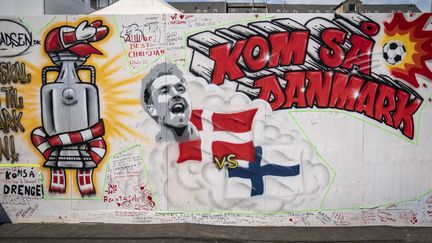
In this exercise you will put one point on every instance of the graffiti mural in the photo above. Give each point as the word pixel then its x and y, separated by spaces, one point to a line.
pixel 319 64
pixel 305 120
pixel 71 135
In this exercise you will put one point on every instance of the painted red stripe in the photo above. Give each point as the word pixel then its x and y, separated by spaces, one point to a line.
pixel 100 34
pixel 242 151
pixel 235 122
pixel 75 137
pixel 37 140
pixel 189 150
pixel 61 177
pixel 81 180
pixel 55 141
pixel 196 119
pixel 47 153
pixel 98 130
pixel 96 23
pixel 88 179
pixel 97 144
pixel 69 37
pixel 54 188
pixel 95 157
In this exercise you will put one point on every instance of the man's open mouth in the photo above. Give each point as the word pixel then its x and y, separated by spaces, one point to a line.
pixel 178 108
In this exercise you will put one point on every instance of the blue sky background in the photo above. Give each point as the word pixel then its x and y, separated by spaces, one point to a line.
pixel 423 5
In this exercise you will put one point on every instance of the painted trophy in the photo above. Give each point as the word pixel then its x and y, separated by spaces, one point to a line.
pixel 71 136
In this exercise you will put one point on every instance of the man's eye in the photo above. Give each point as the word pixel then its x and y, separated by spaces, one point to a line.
pixel 164 91
pixel 181 88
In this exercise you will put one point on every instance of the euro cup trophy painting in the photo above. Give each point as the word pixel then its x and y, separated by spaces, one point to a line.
pixel 71 136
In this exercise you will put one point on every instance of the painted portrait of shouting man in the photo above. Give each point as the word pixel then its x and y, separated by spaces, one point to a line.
pixel 165 97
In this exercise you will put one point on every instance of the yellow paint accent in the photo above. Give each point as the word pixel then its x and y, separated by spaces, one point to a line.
pixel 231 162
pixel 20 165
pixel 219 164
pixel 227 161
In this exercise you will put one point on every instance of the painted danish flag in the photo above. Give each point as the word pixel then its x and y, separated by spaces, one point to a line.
pixel 221 135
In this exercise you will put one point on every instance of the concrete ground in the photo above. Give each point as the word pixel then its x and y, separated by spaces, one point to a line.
pixel 206 233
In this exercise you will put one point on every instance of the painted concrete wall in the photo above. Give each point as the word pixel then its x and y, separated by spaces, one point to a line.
pixel 218 119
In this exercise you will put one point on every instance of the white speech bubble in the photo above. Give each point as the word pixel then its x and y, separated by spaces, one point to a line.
pixel 15 39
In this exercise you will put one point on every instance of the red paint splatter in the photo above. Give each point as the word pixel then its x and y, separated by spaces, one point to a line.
pixel 150 199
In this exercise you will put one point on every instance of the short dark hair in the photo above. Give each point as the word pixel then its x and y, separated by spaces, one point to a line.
pixel 157 71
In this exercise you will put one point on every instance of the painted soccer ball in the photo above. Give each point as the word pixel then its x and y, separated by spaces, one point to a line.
pixel 394 52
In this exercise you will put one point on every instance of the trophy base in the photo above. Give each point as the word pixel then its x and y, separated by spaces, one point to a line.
pixel 70 158
pixel 66 164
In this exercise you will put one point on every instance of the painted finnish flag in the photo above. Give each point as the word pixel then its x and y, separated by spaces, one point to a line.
pixel 275 172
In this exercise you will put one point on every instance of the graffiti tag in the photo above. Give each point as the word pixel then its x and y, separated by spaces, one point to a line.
pixel 15 39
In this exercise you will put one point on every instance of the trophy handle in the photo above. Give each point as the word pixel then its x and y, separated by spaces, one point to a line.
pixel 45 70
pixel 92 72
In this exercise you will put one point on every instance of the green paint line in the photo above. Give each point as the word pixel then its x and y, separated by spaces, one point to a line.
pixel 27 24
pixel 33 29
pixel 20 165
pixel 333 172
pixel 123 150
pixel 47 24
pixel 423 195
